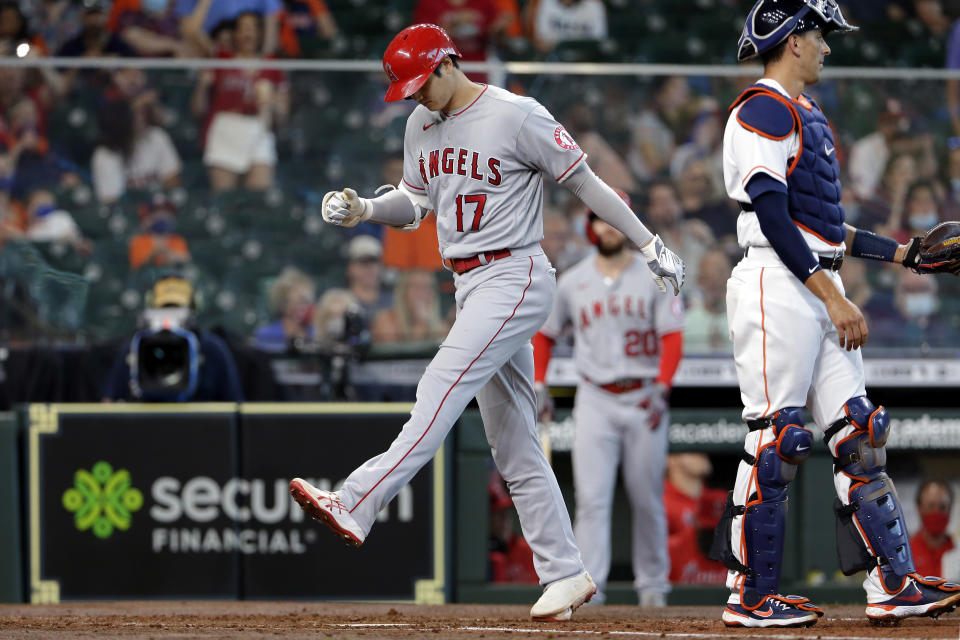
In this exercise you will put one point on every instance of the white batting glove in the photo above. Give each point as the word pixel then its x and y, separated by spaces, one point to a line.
pixel 657 405
pixel 665 266
pixel 345 208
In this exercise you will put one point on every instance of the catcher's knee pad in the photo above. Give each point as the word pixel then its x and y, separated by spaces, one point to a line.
pixel 871 530
pixel 764 514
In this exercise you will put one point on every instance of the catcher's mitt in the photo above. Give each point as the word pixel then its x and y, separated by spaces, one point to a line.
pixel 936 251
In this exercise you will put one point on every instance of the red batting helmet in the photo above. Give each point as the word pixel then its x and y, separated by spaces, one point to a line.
pixel 412 56
pixel 591 216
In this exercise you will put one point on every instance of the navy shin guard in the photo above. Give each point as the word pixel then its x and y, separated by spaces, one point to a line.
pixel 764 518
pixel 871 524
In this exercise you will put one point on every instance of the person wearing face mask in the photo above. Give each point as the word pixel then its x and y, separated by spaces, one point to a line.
pixel 933 543
pixel 157 245
pixel 915 322
pixel 921 210
pixel 47 222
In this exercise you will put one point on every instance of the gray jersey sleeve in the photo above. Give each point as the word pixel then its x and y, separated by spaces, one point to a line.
pixel 412 183
pixel 545 144
pixel 560 315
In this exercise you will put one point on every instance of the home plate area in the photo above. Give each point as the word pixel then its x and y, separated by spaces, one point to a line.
pixel 370 621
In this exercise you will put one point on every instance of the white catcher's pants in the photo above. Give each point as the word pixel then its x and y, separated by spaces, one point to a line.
pixel 486 355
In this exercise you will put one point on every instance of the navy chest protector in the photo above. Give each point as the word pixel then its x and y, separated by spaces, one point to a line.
pixel 813 175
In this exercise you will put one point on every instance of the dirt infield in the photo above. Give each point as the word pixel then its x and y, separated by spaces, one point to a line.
pixel 390 621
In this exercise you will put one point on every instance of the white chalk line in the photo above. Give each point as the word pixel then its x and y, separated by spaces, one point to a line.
pixel 738 632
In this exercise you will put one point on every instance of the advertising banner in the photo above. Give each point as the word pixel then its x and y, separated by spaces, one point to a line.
pixel 191 501
pixel 304 559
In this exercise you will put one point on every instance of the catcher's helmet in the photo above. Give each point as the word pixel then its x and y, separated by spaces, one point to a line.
pixel 412 56
pixel 591 216
pixel 771 21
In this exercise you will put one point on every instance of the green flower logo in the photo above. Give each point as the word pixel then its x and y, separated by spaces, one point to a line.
pixel 102 499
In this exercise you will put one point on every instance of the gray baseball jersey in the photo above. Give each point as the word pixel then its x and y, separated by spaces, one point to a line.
pixel 480 169
pixel 484 176
pixel 617 327
pixel 617 323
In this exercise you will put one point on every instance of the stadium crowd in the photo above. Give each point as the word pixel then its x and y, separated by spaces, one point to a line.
pixel 113 174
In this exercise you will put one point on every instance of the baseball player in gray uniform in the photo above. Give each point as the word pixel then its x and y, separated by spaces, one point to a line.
pixel 627 346
pixel 477 156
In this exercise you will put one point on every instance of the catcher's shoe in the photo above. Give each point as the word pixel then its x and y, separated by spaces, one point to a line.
pixel 326 507
pixel 772 611
pixel 561 598
pixel 920 596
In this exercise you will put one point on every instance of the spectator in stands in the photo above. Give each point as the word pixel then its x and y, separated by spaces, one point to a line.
pixel 415 314
pixel 474 25
pixel 883 212
pixel 56 21
pixel 856 286
pixel 931 13
pixel 364 268
pixel 666 215
pixel 706 326
pixel 241 107
pixel 922 209
pixel 559 21
pixel 198 18
pixel 47 222
pixel 580 120
pixel 510 558
pixel 653 129
pixel 163 374
pixel 42 85
pixel 330 316
pixel 133 153
pixel 157 244
pixel 689 525
pixel 15 31
pixel 150 27
pixel 916 323
pixel 869 154
pixel 705 142
pixel 935 550
pixel 292 296
pixel 699 187
pixel 302 24
pixel 93 38
pixel 36 165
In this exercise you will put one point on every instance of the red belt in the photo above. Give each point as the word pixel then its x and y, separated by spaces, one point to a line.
pixel 621 386
pixel 462 265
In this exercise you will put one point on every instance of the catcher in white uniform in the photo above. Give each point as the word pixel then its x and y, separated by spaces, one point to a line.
pixel 477 155
pixel 628 341
pixel 797 337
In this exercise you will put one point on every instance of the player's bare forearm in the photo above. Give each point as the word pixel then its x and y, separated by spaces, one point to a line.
pixel 846 317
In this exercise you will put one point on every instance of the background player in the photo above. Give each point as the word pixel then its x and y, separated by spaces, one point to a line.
pixel 627 346
pixel 476 155
pixel 797 338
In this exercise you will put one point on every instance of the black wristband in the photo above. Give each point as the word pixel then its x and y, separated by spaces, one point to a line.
pixel 912 259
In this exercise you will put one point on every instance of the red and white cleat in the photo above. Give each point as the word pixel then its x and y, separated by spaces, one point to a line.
pixel 326 507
